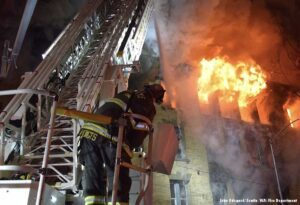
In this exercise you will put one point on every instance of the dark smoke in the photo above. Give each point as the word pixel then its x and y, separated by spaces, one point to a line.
pixel 149 72
pixel 149 60
pixel 263 31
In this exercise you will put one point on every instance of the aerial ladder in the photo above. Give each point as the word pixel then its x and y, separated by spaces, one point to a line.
pixel 88 62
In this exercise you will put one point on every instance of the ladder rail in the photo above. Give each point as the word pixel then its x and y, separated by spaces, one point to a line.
pixel 37 79
pixel 46 154
pixel 145 125
pixel 118 163
pixel 80 56
pixel 49 134
pixel 3 123
pixel 91 83
pixel 43 71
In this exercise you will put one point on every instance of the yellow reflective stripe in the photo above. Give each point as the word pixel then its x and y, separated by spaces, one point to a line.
pixel 119 102
pixel 103 132
pixel 93 197
pixel 89 197
pixel 89 200
pixel 97 128
pixel 92 203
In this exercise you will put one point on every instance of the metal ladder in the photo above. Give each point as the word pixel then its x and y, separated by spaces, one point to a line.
pixel 141 123
pixel 63 164
pixel 74 68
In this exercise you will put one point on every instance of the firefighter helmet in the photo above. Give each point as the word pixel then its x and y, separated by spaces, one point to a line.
pixel 156 91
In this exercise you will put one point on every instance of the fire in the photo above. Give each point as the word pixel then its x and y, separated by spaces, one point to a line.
pixel 290 116
pixel 173 104
pixel 241 81
pixel 292 107
pixel 169 97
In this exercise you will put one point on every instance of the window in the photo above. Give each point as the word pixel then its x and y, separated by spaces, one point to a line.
pixel 178 192
pixel 181 148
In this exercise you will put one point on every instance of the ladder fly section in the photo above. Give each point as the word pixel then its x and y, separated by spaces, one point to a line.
pixel 74 67
pixel 91 67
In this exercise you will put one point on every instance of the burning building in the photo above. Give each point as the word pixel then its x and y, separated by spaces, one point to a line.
pixel 232 69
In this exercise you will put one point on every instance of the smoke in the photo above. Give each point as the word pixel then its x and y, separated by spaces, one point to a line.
pixel 237 29
pixel 255 30
pixel 149 72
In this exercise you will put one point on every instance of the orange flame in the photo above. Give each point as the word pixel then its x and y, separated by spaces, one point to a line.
pixel 169 97
pixel 292 107
pixel 242 81
pixel 290 116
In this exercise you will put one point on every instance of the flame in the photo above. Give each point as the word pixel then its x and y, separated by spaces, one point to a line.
pixel 290 116
pixel 173 104
pixel 292 107
pixel 169 97
pixel 241 81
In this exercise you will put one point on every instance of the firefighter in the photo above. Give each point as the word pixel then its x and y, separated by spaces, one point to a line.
pixel 98 144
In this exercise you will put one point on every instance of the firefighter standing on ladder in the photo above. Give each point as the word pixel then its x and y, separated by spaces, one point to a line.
pixel 98 144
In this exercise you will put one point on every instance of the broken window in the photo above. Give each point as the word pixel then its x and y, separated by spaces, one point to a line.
pixel 178 192
pixel 181 155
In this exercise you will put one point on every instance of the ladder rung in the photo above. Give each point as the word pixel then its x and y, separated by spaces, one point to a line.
pixel 59 129
pixel 59 137
pixel 54 164
pixel 70 154
pixel 22 168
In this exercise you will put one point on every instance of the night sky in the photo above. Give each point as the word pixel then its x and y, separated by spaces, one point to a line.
pixel 48 20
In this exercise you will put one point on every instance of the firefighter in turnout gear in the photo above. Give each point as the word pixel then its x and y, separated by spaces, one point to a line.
pixel 98 144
